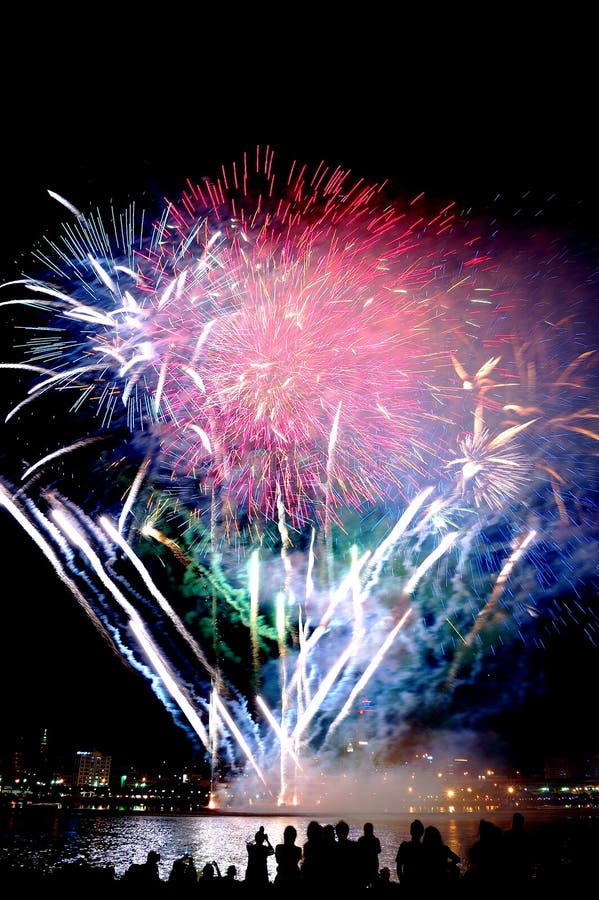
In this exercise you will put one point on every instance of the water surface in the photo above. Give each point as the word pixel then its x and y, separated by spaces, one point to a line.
pixel 45 838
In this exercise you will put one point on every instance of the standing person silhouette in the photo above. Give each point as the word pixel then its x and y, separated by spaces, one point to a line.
pixel 408 860
pixel 346 858
pixel 440 863
pixel 258 851
pixel 144 878
pixel 183 877
pixel 209 882
pixel 485 857
pixel 368 848
pixel 517 853
pixel 314 868
pixel 288 856
pixel 229 885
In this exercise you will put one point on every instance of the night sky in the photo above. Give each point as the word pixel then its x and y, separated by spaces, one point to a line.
pixel 510 147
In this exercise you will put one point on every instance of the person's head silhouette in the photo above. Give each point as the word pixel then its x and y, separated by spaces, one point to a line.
pixel 416 829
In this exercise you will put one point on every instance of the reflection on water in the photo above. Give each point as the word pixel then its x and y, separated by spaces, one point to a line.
pixel 47 838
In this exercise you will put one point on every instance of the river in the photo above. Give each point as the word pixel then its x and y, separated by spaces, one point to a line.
pixel 44 838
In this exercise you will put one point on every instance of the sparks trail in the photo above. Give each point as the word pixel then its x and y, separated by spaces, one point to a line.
pixel 345 456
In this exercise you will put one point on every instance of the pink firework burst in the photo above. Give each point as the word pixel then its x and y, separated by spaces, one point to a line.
pixel 281 334
pixel 294 326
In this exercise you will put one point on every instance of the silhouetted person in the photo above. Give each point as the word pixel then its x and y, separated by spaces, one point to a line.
pixel 440 868
pixel 409 857
pixel 209 882
pixel 368 849
pixel 517 852
pixel 345 862
pixel 486 857
pixel 330 837
pixel 230 886
pixel 183 877
pixel 288 856
pixel 258 851
pixel 144 878
pixel 315 864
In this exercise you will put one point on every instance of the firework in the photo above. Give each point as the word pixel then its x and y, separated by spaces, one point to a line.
pixel 277 339
pixel 325 415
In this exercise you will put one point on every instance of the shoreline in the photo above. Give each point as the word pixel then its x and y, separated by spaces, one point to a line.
pixel 504 813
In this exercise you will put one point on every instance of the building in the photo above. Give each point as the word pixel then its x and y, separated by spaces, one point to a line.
pixel 92 769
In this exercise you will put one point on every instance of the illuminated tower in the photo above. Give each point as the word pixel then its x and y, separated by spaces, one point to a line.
pixel 44 748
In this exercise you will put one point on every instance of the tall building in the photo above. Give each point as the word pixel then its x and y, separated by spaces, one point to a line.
pixel 92 769
pixel 44 747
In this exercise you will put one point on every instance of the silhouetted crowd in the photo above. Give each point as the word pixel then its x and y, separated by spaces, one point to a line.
pixel 501 862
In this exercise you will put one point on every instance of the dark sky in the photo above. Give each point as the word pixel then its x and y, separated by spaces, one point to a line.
pixel 524 146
